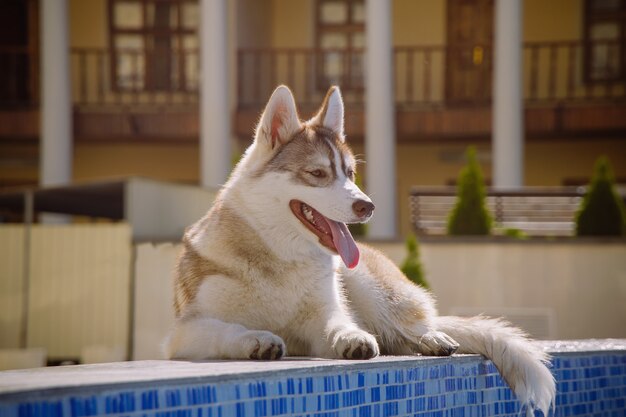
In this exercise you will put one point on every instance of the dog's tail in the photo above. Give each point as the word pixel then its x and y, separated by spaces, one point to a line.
pixel 521 363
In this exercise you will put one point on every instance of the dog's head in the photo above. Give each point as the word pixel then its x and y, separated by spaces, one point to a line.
pixel 308 167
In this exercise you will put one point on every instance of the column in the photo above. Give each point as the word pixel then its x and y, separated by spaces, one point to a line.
pixel 508 101
pixel 56 107
pixel 380 128
pixel 215 117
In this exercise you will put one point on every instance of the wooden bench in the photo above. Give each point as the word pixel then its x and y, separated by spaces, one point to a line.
pixel 534 211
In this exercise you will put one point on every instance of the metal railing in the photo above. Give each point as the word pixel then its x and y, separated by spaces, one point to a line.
pixel 429 75
pixel 435 75
pixel 101 78
pixel 133 77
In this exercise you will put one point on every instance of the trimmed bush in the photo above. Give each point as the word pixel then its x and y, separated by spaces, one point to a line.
pixel 412 266
pixel 470 215
pixel 515 233
pixel 601 212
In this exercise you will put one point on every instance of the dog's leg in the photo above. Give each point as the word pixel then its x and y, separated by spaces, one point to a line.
pixel 347 341
pixel 399 313
pixel 404 317
pixel 330 330
pixel 340 338
pixel 201 337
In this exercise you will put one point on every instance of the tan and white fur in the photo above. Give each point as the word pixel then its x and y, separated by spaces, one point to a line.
pixel 260 275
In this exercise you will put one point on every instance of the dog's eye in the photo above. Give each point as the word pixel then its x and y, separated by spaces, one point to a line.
pixel 318 173
pixel 351 174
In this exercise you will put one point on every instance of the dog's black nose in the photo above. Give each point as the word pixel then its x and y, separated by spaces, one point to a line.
pixel 363 208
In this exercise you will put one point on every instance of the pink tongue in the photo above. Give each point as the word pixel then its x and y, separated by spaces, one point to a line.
pixel 344 243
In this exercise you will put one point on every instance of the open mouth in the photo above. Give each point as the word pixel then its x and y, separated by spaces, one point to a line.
pixel 331 234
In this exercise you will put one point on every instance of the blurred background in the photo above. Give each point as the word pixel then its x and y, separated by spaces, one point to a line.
pixel 122 117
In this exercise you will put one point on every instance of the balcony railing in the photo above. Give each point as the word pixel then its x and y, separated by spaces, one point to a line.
pixel 431 76
pixel 434 75
pixel 101 78
pixel 129 77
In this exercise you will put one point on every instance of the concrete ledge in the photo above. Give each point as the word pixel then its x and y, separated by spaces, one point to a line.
pixel 96 377
pixel 591 379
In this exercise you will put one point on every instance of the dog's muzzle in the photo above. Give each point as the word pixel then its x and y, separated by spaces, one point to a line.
pixel 363 209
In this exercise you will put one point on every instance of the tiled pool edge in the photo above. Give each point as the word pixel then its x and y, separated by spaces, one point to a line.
pixel 590 382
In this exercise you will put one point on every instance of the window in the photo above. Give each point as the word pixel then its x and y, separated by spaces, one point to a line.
pixel 154 44
pixel 340 40
pixel 18 52
pixel 605 31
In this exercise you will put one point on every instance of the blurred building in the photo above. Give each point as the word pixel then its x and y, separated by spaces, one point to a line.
pixel 134 77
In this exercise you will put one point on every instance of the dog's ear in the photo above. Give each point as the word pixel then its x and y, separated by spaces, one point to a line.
pixel 330 114
pixel 280 119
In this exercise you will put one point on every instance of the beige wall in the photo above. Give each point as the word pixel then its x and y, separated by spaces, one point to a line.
pixel 174 162
pixel 79 287
pixel 424 22
pixel 11 284
pixel 254 23
pixel 549 163
pixel 553 20
pixel 88 23
pixel 287 23
pixel 154 298
pixel 419 22
pixel 293 23
pixel 582 284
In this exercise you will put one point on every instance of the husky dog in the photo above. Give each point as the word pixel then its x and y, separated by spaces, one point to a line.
pixel 272 267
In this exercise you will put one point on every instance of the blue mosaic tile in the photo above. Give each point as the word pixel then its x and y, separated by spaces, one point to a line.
pixel 591 384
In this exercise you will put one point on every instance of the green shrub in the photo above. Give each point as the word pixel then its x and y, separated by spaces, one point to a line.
pixel 412 267
pixel 470 215
pixel 601 212
pixel 514 233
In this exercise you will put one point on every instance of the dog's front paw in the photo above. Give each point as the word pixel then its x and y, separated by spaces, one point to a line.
pixel 434 343
pixel 263 345
pixel 355 344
